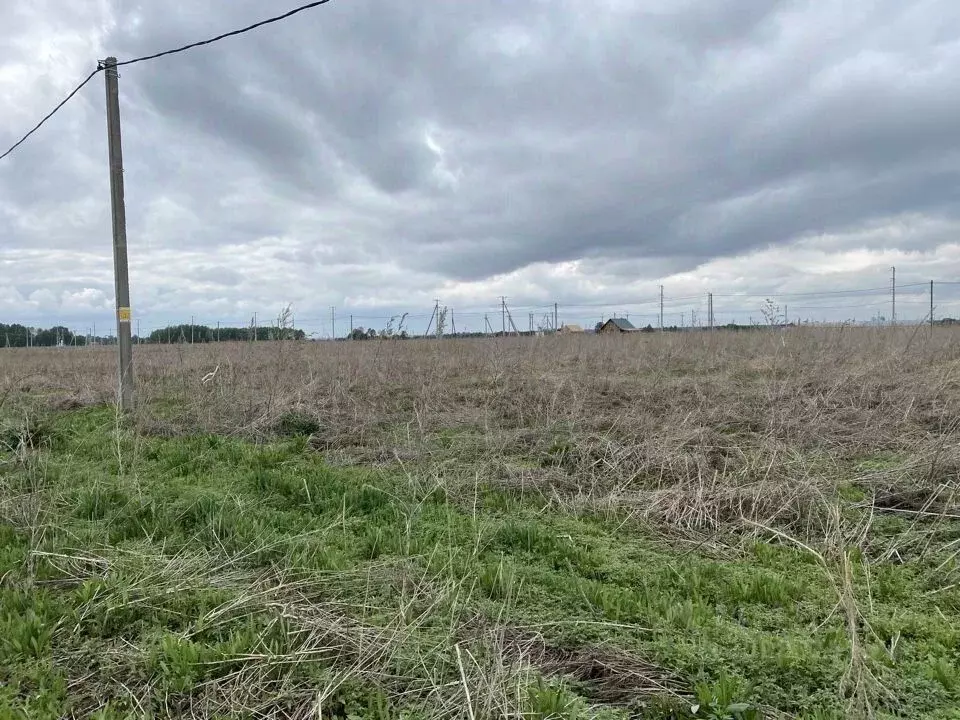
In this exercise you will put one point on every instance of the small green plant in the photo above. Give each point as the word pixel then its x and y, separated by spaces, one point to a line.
pixel 525 537
pixel 25 635
pixel 179 663
pixel 552 701
pixel 719 701
pixel 945 673
pixel 379 540
pixel 497 579
pixel 762 587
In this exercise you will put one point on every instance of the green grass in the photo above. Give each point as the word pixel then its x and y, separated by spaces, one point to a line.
pixel 145 576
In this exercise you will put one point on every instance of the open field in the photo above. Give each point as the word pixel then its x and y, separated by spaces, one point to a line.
pixel 691 525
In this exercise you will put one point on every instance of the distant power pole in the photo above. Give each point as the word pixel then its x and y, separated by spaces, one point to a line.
pixel 503 315
pixel 556 326
pixel 893 296
pixel 191 329
pixel 120 272
pixel 256 327
pixel 710 310
pixel 661 308
pixel 931 305
pixel 218 331
pixel 434 315
pixel 351 326
pixel 333 322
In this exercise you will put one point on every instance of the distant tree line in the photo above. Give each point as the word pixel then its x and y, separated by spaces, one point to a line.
pixel 204 334
pixel 17 335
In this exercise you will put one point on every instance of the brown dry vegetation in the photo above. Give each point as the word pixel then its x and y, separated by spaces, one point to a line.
pixel 840 445
pixel 691 430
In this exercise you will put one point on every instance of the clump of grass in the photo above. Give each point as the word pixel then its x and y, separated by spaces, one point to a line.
pixel 553 701
pixel 497 580
pixel 296 423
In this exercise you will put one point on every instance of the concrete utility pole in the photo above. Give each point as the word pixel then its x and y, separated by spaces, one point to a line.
pixel 256 327
pixel 120 272
pixel 893 296
pixel 218 331
pixel 931 305
pixel 333 322
pixel 710 310
pixel 503 315
pixel 555 325
pixel 661 308
pixel 191 329
pixel 351 326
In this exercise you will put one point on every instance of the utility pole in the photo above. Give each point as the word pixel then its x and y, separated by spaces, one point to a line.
pixel 503 315
pixel 556 325
pixel 139 336
pixel 256 327
pixel 486 324
pixel 661 308
pixel 351 326
pixel 893 296
pixel 191 329
pixel 710 310
pixel 453 323
pixel 434 314
pixel 120 272
pixel 218 331
pixel 786 316
pixel 333 322
pixel 931 306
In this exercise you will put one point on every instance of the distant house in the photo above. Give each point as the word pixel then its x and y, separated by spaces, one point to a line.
pixel 570 329
pixel 616 325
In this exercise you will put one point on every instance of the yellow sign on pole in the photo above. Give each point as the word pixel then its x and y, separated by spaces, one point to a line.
pixel 124 314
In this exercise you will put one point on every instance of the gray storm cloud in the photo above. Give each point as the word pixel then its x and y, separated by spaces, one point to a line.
pixel 456 142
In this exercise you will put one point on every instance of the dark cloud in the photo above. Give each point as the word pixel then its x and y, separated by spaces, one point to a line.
pixel 459 142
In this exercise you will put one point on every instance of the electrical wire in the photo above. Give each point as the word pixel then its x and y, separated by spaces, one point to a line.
pixel 101 65
pixel 53 112
pixel 224 36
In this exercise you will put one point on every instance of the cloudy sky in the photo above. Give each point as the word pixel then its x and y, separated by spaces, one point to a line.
pixel 374 155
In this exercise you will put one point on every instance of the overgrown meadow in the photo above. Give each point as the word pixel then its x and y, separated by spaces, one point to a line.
pixel 683 525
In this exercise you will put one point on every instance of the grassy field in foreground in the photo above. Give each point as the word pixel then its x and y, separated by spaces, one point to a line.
pixel 665 527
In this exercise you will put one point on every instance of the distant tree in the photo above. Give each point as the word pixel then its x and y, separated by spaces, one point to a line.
pixel 647 329
pixel 596 328
pixel 771 312
pixel 371 333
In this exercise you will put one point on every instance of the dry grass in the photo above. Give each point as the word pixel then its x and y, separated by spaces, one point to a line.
pixel 711 442
pixel 692 430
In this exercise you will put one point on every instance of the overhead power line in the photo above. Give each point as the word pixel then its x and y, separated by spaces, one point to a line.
pixel 224 36
pixel 53 112
pixel 144 58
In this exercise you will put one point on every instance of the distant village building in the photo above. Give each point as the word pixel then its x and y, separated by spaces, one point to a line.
pixel 617 325
pixel 570 329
